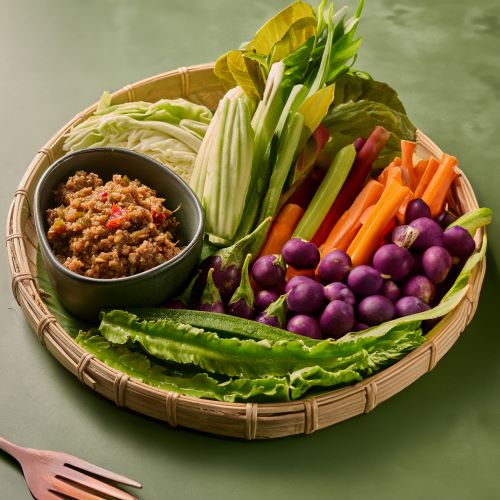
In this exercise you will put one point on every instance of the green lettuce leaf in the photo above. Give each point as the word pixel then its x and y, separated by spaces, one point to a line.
pixel 353 87
pixel 201 385
pixel 350 120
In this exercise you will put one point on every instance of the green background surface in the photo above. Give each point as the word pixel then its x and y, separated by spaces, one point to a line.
pixel 438 439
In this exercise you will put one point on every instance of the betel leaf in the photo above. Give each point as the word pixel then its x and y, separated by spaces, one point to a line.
pixel 354 87
pixel 283 24
pixel 350 120
pixel 201 385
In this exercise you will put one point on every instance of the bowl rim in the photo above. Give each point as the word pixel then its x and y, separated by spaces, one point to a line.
pixel 47 250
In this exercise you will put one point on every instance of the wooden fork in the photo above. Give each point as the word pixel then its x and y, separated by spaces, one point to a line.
pixel 53 475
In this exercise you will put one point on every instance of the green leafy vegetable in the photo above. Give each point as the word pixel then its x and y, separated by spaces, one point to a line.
pixel 201 385
pixel 472 221
pixel 170 130
pixel 354 87
pixel 350 120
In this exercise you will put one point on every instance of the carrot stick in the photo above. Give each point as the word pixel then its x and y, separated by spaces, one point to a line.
pixel 407 150
pixel 347 226
pixel 382 178
pixel 400 214
pixel 366 214
pixel 420 169
pixel 282 228
pixel 366 241
pixel 355 180
pixel 435 192
pixel 292 272
pixel 394 174
pixel 427 176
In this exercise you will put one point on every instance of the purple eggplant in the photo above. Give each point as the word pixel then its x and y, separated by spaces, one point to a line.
pixel 263 298
pixel 242 302
pixel 275 313
pixel 304 325
pixel 227 262
pixel 300 253
pixel 269 270
pixel 210 298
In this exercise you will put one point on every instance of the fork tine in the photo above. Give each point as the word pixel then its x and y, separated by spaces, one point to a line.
pixel 69 490
pixel 94 484
pixel 84 466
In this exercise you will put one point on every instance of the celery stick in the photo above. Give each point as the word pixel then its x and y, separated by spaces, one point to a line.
pixel 326 193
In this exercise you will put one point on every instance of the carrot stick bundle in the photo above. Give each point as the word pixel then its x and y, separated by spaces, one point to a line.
pixel 347 226
pixel 438 187
pixel 427 176
pixel 366 241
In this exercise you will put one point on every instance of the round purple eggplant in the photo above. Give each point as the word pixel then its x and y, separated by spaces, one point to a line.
pixel 421 287
pixel 297 280
pixel 306 298
pixel 269 270
pixel 375 309
pixel 334 266
pixel 410 305
pixel 459 242
pixel 437 262
pixel 300 254
pixel 415 209
pixel 404 235
pixel 365 280
pixel 263 298
pixel 242 303
pixel 304 325
pixel 339 291
pixel 391 291
pixel 445 218
pixel 337 319
pixel 430 233
pixel 275 313
pixel 393 261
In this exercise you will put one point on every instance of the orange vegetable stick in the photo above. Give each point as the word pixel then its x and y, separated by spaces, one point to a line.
pixel 366 213
pixel 347 226
pixel 292 272
pixel 366 241
pixel 430 170
pixel 407 150
pixel 420 169
pixel 394 174
pixel 282 228
pixel 382 178
pixel 439 185
pixel 401 213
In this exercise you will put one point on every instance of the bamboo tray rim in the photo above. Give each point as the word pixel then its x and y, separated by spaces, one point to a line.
pixel 242 420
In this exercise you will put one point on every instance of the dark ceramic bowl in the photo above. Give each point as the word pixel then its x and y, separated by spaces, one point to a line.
pixel 85 297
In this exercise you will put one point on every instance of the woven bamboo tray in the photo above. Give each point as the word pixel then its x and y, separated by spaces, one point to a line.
pixel 251 420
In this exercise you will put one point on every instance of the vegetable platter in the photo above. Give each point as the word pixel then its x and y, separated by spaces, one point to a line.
pixel 287 119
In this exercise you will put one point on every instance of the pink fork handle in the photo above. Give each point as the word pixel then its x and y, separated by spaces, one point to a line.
pixel 12 449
